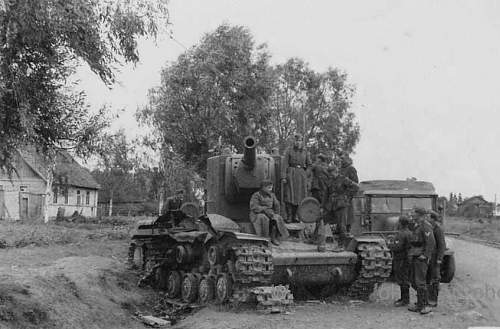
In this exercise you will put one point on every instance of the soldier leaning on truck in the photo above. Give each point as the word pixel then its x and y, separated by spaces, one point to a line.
pixel 422 247
pixel 434 272
pixel 400 264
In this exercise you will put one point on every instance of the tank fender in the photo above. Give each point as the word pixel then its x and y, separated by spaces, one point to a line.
pixel 244 236
pixel 189 237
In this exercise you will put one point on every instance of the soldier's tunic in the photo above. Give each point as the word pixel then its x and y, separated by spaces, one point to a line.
pixel 400 263
pixel 296 161
pixel 422 243
pixel 319 182
pixel 350 190
pixel 265 208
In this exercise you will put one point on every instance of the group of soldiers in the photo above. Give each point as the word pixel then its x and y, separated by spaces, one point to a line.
pixel 333 188
pixel 418 249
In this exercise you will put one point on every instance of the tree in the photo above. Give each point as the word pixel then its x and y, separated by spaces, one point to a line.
pixel 42 42
pixel 314 104
pixel 210 95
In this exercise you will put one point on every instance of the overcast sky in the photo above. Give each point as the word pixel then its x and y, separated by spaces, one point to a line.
pixel 427 75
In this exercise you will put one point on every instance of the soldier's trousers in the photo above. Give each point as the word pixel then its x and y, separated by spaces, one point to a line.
pixel 433 279
pixel 338 217
pixel 418 273
pixel 401 271
pixel 261 225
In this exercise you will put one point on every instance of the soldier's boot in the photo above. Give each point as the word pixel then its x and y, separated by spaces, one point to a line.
pixel 433 294
pixel 274 236
pixel 418 306
pixel 425 307
pixel 405 297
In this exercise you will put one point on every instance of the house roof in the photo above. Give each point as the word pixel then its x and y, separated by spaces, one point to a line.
pixel 66 171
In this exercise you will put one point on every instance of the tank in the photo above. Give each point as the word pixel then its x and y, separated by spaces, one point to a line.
pixel 355 265
pixel 216 257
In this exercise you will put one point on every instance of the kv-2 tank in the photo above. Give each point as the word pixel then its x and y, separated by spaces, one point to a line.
pixel 356 264
pixel 218 256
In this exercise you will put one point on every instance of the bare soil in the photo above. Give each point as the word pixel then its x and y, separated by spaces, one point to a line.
pixel 73 275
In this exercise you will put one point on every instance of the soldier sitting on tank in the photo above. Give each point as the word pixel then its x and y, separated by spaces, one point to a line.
pixel 171 209
pixel 264 214
pixel 400 263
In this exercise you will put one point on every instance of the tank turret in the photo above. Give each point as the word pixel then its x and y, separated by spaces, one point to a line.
pixel 233 178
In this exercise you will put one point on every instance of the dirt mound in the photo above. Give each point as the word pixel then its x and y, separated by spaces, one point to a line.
pixel 74 292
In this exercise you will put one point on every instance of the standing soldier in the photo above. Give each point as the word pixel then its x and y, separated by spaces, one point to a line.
pixel 434 273
pixel 400 264
pixel 350 188
pixel 296 162
pixel 422 247
pixel 319 182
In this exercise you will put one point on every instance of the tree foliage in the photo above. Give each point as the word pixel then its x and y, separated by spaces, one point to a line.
pixel 315 105
pixel 41 43
pixel 210 95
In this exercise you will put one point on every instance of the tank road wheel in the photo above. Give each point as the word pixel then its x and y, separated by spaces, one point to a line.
pixel 223 288
pixel 189 288
pixel 206 290
pixel 174 282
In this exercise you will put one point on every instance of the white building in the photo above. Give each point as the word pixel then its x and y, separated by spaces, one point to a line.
pixel 22 195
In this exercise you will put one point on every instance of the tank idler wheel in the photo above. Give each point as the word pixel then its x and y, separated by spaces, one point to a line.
pixel 223 288
pixel 190 288
pixel 214 256
pixel 174 281
pixel 206 290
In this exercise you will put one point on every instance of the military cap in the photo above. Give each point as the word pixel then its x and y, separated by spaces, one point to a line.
pixel 179 191
pixel 265 182
pixel 420 211
pixel 434 215
pixel 404 220
pixel 322 157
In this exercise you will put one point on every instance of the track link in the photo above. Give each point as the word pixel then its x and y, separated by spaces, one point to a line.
pixel 375 267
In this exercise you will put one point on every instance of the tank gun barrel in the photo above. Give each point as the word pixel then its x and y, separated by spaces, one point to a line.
pixel 250 152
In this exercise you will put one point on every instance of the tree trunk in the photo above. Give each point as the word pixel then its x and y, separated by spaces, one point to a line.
pixel 110 205
pixel 48 190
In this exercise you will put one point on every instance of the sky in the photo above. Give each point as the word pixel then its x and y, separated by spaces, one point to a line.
pixel 427 75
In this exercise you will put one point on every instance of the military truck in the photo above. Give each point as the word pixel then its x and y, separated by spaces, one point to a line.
pixel 379 203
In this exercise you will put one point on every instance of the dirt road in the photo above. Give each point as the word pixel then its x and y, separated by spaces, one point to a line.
pixel 472 299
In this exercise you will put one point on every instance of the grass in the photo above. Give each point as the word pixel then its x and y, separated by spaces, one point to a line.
pixel 481 228
pixel 22 234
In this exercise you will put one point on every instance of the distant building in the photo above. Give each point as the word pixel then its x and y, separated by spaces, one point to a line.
pixel 22 195
pixel 475 206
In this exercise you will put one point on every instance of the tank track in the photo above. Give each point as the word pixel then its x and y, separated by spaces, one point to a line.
pixel 249 266
pixel 375 268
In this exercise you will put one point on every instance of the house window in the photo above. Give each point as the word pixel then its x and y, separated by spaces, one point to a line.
pixel 23 188
pixel 54 192
pixel 87 198
pixel 78 198
pixel 66 195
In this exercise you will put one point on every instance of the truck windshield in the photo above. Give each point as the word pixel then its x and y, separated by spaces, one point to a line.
pixel 385 205
pixel 411 203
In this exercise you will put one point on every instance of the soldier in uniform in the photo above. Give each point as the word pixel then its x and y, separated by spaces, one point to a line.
pixel 320 177
pixel 434 273
pixel 350 186
pixel 174 202
pixel 400 264
pixel 296 162
pixel 264 213
pixel 422 247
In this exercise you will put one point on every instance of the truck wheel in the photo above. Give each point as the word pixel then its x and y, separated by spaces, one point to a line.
pixel 448 269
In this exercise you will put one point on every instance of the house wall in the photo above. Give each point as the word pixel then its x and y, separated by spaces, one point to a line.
pixel 72 205
pixel 33 187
